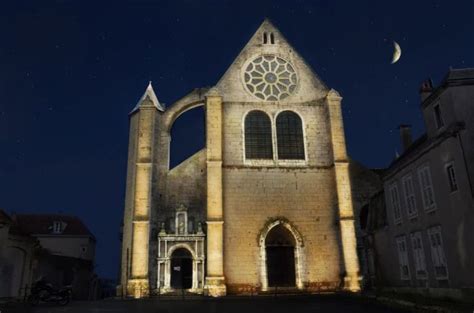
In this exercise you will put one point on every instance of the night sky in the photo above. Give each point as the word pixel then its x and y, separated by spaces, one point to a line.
pixel 71 71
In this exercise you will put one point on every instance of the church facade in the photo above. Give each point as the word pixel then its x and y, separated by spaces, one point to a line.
pixel 268 203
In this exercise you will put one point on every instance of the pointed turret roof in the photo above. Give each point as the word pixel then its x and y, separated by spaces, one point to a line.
pixel 268 40
pixel 150 94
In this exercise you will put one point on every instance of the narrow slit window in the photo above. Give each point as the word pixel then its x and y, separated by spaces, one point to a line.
pixel 453 185
pixel 264 38
pixel 272 39
pixel 258 136
pixel 438 116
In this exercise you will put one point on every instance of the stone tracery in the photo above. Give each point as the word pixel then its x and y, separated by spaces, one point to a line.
pixel 270 78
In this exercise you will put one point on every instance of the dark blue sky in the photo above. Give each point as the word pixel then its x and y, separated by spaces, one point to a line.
pixel 70 71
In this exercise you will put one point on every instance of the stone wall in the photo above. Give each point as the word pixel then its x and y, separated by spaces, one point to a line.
pixel 305 197
pixel 186 185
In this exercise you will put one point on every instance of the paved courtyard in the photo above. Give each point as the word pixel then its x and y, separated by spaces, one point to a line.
pixel 299 304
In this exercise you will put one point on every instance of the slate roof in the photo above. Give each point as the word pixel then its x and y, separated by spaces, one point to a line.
pixel 455 77
pixel 41 224
pixel 415 146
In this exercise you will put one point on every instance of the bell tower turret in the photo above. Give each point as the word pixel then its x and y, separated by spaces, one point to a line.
pixel 138 198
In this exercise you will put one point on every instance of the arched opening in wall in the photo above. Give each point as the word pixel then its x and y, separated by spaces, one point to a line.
pixel 280 249
pixel 181 269
pixel 187 135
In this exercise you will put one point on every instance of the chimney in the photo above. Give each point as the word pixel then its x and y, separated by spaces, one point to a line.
pixel 405 136
pixel 426 88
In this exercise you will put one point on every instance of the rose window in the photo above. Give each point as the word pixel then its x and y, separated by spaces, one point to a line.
pixel 270 78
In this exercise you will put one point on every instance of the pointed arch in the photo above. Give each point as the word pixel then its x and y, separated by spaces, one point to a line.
pixel 298 251
pixel 285 223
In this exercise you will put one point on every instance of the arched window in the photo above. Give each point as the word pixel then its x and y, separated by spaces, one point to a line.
pixel 272 39
pixel 264 38
pixel 290 136
pixel 258 136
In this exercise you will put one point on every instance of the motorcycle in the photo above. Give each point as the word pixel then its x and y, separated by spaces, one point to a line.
pixel 43 291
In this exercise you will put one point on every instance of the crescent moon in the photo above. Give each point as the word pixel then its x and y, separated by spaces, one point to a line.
pixel 397 53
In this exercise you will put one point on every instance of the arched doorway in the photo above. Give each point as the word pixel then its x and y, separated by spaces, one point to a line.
pixel 181 269
pixel 280 257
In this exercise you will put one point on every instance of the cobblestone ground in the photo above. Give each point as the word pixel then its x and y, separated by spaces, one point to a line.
pixel 296 304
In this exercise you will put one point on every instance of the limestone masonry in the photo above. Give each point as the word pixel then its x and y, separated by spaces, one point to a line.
pixel 268 203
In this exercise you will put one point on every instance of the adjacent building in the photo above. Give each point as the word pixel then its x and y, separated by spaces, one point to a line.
pixel 17 255
pixel 418 230
pixel 59 248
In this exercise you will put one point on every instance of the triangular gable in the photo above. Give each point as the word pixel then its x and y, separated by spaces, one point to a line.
pixel 237 85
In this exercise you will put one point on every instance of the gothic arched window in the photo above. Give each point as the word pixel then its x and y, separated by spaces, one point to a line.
pixel 290 136
pixel 258 136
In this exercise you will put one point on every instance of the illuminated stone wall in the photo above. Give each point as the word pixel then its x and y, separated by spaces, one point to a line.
pixel 240 198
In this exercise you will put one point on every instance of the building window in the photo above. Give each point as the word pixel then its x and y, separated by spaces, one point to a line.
pixel 403 257
pixel 58 227
pixel 437 253
pixel 272 39
pixel 419 255
pixel 265 38
pixel 426 188
pixel 290 136
pixel 395 201
pixel 258 136
pixel 453 184
pixel 438 117
pixel 409 193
